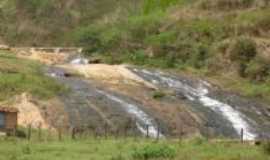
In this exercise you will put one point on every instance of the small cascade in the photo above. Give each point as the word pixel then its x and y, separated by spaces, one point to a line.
pixel 79 60
pixel 199 94
pixel 142 118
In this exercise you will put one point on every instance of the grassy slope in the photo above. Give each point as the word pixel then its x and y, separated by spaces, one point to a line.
pixel 200 37
pixel 126 149
pixel 194 36
pixel 50 22
pixel 19 75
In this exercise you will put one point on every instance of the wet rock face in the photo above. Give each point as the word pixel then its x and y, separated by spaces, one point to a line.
pixel 220 113
pixel 88 105
pixel 225 117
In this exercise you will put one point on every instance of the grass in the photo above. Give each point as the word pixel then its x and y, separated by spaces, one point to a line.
pixel 20 75
pixel 259 91
pixel 128 149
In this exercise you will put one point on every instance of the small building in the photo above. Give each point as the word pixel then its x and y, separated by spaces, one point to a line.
pixel 8 119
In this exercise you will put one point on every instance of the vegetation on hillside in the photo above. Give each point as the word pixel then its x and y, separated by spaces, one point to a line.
pixel 217 38
pixel 50 22
pixel 18 76
pixel 223 39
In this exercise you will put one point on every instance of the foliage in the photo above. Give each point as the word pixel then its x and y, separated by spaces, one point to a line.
pixel 258 70
pixel 226 4
pixel 266 148
pixel 244 50
pixel 154 151
pixel 158 94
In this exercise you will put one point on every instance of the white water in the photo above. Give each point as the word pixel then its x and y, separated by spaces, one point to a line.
pixel 80 61
pixel 138 114
pixel 200 94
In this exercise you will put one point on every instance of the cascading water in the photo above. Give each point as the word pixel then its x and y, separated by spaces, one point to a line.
pixel 142 118
pixel 79 60
pixel 200 94
pixel 85 91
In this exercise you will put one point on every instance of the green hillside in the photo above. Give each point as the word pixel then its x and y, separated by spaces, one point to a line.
pixel 226 41
pixel 50 22
pixel 19 76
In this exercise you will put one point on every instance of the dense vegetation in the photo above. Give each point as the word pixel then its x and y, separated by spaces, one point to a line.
pixel 222 39
pixel 225 40
pixel 18 76
pixel 129 149
pixel 50 22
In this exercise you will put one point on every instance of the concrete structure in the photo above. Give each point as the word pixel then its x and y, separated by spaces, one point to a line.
pixel 48 49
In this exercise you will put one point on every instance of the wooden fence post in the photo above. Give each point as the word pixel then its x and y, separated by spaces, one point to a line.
pixel 60 134
pixel 158 132
pixel 39 133
pixel 73 134
pixel 106 130
pixel 242 135
pixel 147 131
pixel 29 132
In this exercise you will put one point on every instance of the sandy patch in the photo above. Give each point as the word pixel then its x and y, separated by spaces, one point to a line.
pixel 113 74
pixel 44 114
pixel 29 112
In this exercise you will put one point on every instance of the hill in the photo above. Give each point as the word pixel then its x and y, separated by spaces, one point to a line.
pixel 226 41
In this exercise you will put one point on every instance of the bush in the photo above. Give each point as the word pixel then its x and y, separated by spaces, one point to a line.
pixel 266 148
pixel 141 26
pixel 199 57
pixel 244 50
pixel 154 151
pixel 20 133
pixel 158 94
pixel 89 37
pixel 226 4
pixel 258 70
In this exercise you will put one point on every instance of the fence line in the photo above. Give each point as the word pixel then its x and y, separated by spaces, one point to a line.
pixel 61 133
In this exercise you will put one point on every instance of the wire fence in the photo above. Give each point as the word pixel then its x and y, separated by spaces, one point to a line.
pixel 62 133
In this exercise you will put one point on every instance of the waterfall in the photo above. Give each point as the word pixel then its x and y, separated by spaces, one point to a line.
pixel 143 119
pixel 201 96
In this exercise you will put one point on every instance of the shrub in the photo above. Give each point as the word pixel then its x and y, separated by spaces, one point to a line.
pixel 154 151
pixel 199 57
pixel 266 148
pixel 141 26
pixel 158 94
pixel 243 50
pixel 139 57
pixel 89 37
pixel 258 70
pixel 226 4
pixel 20 133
